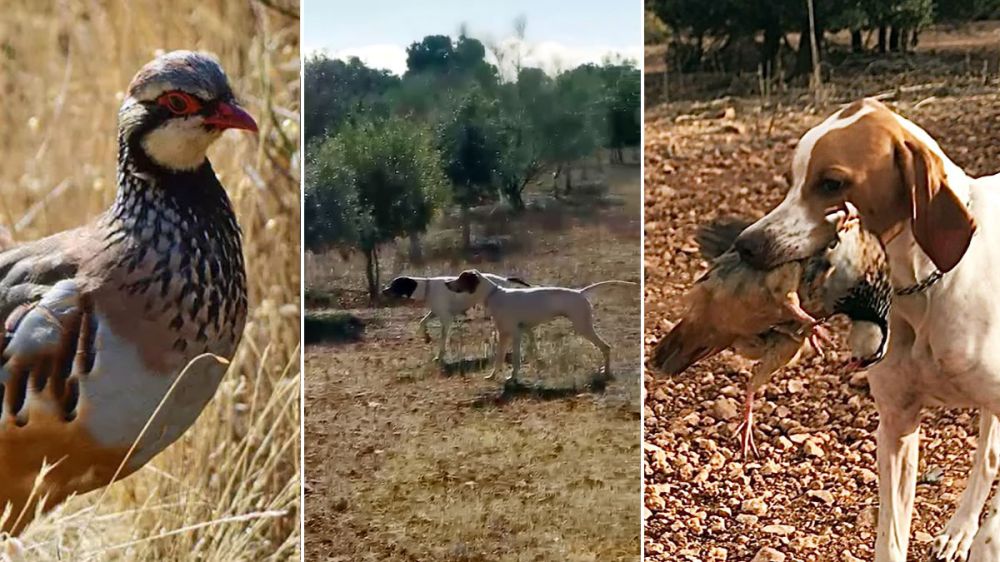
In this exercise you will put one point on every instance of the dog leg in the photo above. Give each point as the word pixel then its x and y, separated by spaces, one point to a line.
pixel 955 540
pixel 898 440
pixel 423 326
pixel 986 542
pixel 532 343
pixel 515 358
pixel 443 344
pixel 503 343
pixel 586 329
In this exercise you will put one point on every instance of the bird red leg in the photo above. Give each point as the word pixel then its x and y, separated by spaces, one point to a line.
pixel 819 338
pixel 745 428
pixel 793 306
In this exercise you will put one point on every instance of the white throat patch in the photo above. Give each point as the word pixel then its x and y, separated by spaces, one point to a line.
pixel 179 144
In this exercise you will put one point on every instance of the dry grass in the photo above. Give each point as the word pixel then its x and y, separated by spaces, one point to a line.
pixel 406 462
pixel 229 488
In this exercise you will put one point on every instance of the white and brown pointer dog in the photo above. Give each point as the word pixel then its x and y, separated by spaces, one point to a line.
pixel 517 310
pixel 942 238
pixel 443 304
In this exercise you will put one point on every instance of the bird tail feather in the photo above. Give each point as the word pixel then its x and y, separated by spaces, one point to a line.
pixel 683 346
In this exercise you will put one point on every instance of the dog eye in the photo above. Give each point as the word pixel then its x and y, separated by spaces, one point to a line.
pixel 831 186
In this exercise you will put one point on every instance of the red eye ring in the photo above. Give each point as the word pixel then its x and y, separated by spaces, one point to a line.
pixel 179 103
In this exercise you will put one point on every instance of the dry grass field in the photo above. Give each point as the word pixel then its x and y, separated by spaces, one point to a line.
pixel 812 495
pixel 405 461
pixel 228 490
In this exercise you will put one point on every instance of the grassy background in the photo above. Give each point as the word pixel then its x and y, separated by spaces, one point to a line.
pixel 406 461
pixel 229 488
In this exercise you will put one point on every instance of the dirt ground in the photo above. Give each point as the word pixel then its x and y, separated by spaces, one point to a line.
pixel 813 493
pixel 405 461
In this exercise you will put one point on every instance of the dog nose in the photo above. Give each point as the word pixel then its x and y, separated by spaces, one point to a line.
pixel 752 249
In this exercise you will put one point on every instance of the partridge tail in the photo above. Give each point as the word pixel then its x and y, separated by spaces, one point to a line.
pixel 685 345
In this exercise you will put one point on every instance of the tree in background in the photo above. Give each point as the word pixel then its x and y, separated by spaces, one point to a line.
pixel 696 25
pixel 577 124
pixel 339 90
pixel 370 184
pixel 492 132
pixel 468 140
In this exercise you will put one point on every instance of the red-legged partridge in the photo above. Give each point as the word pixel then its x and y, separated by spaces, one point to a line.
pixel 101 320
pixel 769 315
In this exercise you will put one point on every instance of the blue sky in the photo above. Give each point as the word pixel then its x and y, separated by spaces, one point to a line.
pixel 559 35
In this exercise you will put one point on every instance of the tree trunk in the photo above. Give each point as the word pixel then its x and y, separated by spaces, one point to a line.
pixel 466 228
pixel 881 39
pixel 816 82
pixel 416 249
pixel 857 45
pixel 904 40
pixel 804 56
pixel 772 44
pixel 569 180
pixel 371 273
pixel 515 194
pixel 894 39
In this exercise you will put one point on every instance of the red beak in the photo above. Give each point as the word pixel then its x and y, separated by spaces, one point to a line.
pixel 231 116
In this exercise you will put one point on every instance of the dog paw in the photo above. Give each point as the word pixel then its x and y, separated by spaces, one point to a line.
pixel 953 544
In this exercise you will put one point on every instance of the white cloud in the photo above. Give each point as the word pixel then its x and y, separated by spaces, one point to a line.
pixel 554 57
pixel 551 56
pixel 387 57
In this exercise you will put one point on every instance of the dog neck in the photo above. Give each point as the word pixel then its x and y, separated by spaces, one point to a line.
pixel 420 293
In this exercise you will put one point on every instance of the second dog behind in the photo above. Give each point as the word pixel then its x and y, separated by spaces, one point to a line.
pixel 443 304
pixel 515 310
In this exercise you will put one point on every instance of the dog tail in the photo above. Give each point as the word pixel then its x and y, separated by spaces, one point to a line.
pixel 518 281
pixel 588 288
pixel 685 344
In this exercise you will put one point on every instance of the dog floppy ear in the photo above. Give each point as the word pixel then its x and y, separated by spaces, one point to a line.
pixel 942 225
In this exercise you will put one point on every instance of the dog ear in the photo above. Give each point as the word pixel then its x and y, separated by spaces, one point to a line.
pixel 942 225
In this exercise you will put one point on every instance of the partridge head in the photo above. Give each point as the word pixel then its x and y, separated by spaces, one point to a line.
pixel 135 313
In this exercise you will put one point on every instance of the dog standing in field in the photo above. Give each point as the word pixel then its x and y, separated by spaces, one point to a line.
pixel 516 310
pixel 443 303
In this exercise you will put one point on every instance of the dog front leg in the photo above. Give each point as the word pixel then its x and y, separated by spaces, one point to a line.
pixel 443 344
pixel 898 440
pixel 954 541
pixel 423 325
pixel 515 358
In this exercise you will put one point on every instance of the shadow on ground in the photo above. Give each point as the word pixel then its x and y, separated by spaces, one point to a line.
pixel 516 389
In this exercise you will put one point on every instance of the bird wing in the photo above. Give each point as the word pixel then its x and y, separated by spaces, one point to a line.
pixel 716 237
pixel 46 316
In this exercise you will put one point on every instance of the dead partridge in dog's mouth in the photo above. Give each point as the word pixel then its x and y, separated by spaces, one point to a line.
pixel 768 316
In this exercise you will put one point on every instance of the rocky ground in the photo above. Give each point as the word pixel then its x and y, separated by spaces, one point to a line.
pixel 812 494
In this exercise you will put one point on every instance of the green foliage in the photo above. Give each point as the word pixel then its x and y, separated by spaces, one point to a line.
pixel 339 90
pixel 372 182
pixel 469 141
pixel 485 137
pixel 697 24
pixel 655 31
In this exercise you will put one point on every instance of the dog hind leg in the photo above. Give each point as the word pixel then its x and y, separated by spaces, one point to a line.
pixel 503 343
pixel 584 325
